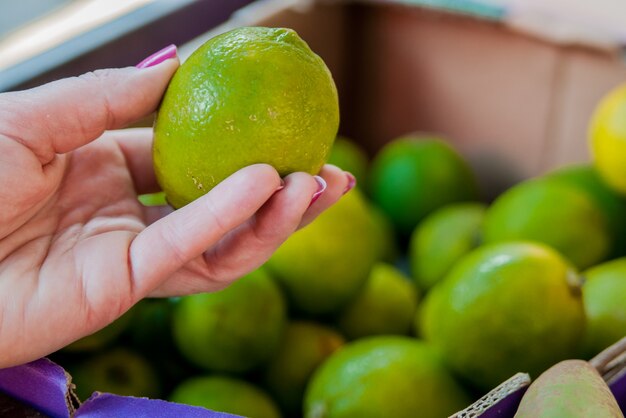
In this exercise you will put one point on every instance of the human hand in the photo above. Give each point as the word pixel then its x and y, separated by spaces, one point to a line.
pixel 77 249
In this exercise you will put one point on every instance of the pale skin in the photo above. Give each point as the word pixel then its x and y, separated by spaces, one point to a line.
pixel 77 249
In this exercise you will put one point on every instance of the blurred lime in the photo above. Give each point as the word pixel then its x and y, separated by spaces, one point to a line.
pixel 323 266
pixel 442 239
pixel 105 336
pixel 251 95
pixel 554 213
pixel 385 305
pixel 304 347
pixel 118 371
pixel 607 135
pixel 233 330
pixel 151 324
pixel 586 178
pixel 604 295
pixel 383 377
pixel 150 333
pixel 226 394
pixel 386 241
pixel 349 156
pixel 503 309
pixel 412 176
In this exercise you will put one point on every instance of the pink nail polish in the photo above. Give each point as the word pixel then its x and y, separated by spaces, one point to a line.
pixel 321 186
pixel 351 182
pixel 158 57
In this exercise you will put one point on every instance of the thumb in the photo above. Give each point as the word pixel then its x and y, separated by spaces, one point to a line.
pixel 63 115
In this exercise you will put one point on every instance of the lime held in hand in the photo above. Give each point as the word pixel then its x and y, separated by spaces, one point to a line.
pixel 251 95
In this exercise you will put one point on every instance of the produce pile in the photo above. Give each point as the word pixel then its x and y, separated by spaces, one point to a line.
pixel 412 296
pixel 376 308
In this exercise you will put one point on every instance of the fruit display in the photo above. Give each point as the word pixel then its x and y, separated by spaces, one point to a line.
pixel 409 297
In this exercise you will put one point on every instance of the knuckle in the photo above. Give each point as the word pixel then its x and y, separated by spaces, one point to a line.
pixel 214 217
pixel 174 243
pixel 100 81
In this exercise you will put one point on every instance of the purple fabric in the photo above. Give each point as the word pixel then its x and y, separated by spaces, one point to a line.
pixel 106 405
pixel 507 407
pixel 41 384
pixel 618 387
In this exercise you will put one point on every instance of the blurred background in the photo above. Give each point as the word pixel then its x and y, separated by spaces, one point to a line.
pixel 49 39
pixel 39 36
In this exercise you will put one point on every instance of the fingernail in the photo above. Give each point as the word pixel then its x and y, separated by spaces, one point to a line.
pixel 351 182
pixel 158 57
pixel 281 185
pixel 321 186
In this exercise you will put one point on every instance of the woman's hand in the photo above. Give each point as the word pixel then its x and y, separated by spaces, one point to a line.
pixel 77 249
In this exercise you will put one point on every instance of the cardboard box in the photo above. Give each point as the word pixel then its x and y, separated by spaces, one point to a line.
pixel 514 104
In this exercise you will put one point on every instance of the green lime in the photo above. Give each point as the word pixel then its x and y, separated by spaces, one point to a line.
pixel 385 305
pixel 251 95
pixel 305 345
pixel 604 294
pixel 150 333
pixel 323 266
pixel 505 308
pixel 386 241
pixel 554 213
pixel 233 330
pixel 388 376
pixel 104 336
pixel 348 155
pixel 412 176
pixel 442 239
pixel 586 178
pixel 118 371
pixel 607 136
pixel 151 325
pixel 226 394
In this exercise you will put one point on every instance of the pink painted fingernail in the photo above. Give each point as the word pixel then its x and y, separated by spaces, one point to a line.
pixel 351 182
pixel 321 186
pixel 158 57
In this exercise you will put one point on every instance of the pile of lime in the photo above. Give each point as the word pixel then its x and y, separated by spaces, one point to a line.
pixel 412 296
